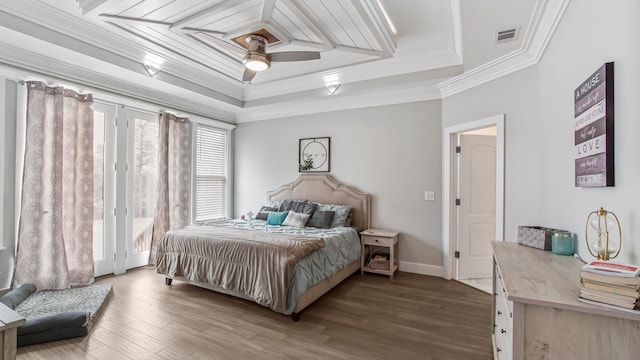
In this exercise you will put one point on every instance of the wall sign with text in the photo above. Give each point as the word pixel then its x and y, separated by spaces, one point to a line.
pixel 593 137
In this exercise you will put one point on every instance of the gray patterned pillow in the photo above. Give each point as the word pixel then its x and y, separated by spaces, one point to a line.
pixel 321 219
pixel 299 206
pixel 296 219
pixel 264 212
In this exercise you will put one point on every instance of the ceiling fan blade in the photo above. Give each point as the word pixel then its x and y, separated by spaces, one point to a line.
pixel 248 75
pixel 294 55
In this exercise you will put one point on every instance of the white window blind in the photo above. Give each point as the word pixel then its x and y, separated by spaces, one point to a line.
pixel 210 173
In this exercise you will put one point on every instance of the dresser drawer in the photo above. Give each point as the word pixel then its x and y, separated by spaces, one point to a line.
pixel 503 319
pixel 503 338
pixel 377 240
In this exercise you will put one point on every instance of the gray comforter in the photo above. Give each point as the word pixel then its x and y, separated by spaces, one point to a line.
pixel 256 264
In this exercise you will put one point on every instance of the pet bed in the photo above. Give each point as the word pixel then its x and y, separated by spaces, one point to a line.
pixel 55 315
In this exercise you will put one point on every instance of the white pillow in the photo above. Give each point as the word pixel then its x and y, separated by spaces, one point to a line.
pixel 296 219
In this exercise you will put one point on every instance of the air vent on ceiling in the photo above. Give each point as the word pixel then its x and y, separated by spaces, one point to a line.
pixel 507 35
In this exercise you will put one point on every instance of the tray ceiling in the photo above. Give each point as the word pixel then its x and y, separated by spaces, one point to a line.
pixel 210 33
pixel 379 51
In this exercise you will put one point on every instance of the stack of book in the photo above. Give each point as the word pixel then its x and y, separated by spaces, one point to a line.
pixel 611 285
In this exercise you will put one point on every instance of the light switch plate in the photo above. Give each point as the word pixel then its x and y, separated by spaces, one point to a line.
pixel 429 195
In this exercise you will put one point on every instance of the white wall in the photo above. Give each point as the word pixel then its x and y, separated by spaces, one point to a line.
pixel 392 152
pixel 7 179
pixel 538 103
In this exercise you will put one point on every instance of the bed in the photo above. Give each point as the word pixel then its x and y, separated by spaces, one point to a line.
pixel 314 260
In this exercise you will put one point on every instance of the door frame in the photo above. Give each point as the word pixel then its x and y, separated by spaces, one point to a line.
pixel 449 217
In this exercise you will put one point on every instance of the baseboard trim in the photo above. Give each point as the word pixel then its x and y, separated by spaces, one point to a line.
pixel 422 269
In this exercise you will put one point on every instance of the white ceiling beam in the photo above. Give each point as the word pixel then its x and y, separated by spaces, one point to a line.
pixel 203 37
pixel 302 11
pixel 128 20
pixel 97 7
pixel 156 23
pixel 379 28
pixel 267 10
pixel 225 5
pixel 356 50
pixel 190 30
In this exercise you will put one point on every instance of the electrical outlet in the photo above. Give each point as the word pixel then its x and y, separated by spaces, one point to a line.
pixel 429 195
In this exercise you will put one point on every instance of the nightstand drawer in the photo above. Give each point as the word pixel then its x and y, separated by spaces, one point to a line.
pixel 377 240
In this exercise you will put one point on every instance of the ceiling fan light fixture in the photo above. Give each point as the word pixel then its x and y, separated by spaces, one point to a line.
pixel 256 62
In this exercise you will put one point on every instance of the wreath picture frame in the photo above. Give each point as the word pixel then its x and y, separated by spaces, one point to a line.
pixel 314 154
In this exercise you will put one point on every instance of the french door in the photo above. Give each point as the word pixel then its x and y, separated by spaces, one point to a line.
pixel 125 173
pixel 103 187
pixel 142 160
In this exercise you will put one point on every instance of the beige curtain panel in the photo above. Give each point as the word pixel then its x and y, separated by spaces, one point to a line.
pixel 55 235
pixel 174 180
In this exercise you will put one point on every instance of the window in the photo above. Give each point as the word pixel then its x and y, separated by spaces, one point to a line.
pixel 211 173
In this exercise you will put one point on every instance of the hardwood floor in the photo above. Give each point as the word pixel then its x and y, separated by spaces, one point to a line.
pixel 366 317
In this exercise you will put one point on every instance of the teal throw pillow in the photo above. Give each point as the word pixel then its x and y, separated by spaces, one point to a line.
pixel 276 218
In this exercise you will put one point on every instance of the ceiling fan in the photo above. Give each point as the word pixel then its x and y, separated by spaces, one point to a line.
pixel 257 59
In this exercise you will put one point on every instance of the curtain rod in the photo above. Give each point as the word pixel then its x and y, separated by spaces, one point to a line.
pixel 113 93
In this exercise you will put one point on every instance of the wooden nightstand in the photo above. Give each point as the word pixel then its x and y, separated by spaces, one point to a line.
pixel 373 241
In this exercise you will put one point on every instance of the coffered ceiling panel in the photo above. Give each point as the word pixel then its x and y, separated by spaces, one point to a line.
pixel 211 34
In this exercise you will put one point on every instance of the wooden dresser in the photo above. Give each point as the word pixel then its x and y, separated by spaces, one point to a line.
pixel 9 322
pixel 537 315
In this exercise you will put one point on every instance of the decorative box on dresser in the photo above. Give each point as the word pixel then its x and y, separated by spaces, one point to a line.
pixel 537 315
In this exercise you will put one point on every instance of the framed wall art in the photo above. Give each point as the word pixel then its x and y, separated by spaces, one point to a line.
pixel 593 129
pixel 313 154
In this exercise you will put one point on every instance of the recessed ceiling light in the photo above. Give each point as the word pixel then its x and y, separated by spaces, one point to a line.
pixel 151 69
pixel 152 63
pixel 332 87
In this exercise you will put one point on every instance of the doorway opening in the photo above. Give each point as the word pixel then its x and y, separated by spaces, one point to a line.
pixel 480 219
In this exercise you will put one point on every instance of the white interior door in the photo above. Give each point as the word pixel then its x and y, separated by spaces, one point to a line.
pixel 477 209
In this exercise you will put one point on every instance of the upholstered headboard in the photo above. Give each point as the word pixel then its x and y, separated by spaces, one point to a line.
pixel 322 188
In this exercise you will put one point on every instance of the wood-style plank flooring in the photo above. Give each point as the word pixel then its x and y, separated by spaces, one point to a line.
pixel 366 317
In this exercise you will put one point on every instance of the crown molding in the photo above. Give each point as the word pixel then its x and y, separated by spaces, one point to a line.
pixel 108 78
pixel 543 23
pixel 28 47
pixel 355 73
pixel 343 99
pixel 93 40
